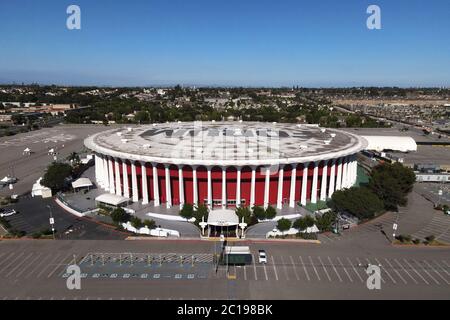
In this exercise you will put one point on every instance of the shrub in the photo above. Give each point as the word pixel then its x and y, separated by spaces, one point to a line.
pixel 119 215
pixel 300 224
pixel 270 212
pixel 416 241
pixel 150 223
pixel 284 224
pixel 136 222
pixel 259 212
pixel 430 238
pixel 187 211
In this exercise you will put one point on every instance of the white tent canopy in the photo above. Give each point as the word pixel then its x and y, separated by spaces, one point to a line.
pixel 395 143
pixel 82 183
pixel 27 150
pixel 223 217
pixel 111 199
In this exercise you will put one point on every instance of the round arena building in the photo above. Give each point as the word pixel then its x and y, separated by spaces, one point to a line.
pixel 225 164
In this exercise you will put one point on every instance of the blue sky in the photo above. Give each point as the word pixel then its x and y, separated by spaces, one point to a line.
pixel 233 42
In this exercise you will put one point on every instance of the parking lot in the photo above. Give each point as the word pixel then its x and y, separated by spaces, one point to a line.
pixel 38 271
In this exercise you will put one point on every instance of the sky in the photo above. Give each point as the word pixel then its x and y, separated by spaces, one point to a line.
pixel 321 43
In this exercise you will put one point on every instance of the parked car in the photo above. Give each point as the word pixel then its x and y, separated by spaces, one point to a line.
pixel 262 257
pixel 7 212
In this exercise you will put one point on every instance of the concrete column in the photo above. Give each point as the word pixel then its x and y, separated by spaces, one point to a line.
pixel 126 190
pixel 355 171
pixel 314 183
pixel 181 185
pixel 98 172
pixel 209 187
pixel 253 187
pixel 118 184
pixel 280 188
pixel 339 175
pixel 168 191
pixel 224 187
pixel 156 200
pixel 293 182
pixel 238 188
pixel 134 186
pixel 304 184
pixel 195 185
pixel 267 188
pixel 111 177
pixel 344 183
pixel 105 174
pixel 144 183
pixel 323 186
pixel 332 178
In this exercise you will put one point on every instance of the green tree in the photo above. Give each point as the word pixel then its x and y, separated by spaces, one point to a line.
pixel 119 215
pixel 310 221
pixel 392 183
pixel 270 212
pixel 56 175
pixel 326 221
pixel 201 211
pixel 359 202
pixel 150 223
pixel 284 224
pixel 259 212
pixel 246 213
pixel 300 224
pixel 136 222
pixel 187 211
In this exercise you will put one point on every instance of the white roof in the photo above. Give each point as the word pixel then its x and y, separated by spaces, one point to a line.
pixel 237 249
pixel 81 182
pixel 396 143
pixel 223 217
pixel 225 143
pixel 26 150
pixel 111 199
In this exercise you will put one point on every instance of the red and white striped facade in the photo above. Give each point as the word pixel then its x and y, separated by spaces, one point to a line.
pixel 225 183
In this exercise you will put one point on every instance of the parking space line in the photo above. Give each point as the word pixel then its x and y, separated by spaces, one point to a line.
pixel 58 265
pixel 445 263
pixel 38 265
pixel 354 270
pixel 265 271
pixel 434 270
pixel 440 267
pixel 415 281
pixel 345 270
pixel 274 268
pixel 416 271
pixel 14 260
pixel 326 272
pixel 245 273
pixel 315 270
pixel 285 268
pixel 19 264
pixel 304 268
pixel 27 266
pixel 295 269
pixel 48 265
pixel 426 271
pixel 395 270
pixel 334 268
pixel 385 270
pixel 254 268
